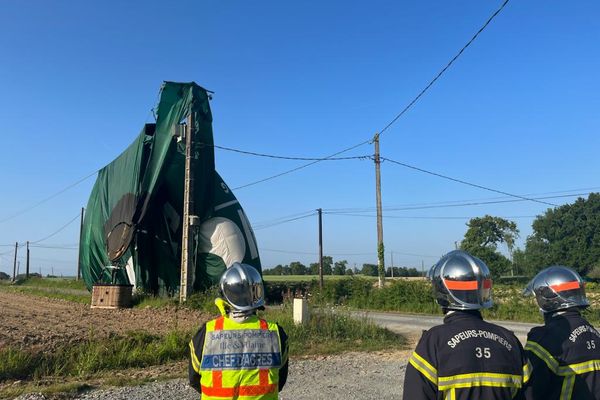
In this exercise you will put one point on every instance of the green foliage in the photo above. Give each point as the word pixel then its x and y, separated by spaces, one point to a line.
pixel 482 238
pixel 567 235
pixel 369 269
pixel 135 349
pixel 297 268
pixel 333 332
pixel 397 295
pixel 204 301
pixel 339 268
pixel 55 283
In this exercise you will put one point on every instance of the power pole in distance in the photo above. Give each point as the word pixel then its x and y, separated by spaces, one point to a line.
pixel 27 263
pixel 392 268
pixel 380 247
pixel 320 211
pixel 15 262
pixel 80 233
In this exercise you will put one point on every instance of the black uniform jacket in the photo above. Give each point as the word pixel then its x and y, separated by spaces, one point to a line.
pixel 198 342
pixel 565 355
pixel 466 358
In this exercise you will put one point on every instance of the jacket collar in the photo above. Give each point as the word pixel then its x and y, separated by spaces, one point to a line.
pixel 456 315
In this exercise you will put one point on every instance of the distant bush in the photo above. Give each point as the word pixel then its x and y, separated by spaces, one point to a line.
pixel 4 276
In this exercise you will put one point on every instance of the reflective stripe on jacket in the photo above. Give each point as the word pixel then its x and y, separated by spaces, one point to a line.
pixel 466 358
pixel 565 354
pixel 239 360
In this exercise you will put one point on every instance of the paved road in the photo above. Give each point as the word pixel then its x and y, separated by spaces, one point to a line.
pixel 413 324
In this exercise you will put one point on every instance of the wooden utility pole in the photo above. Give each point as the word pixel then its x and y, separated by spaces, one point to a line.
pixel 320 248
pixel 188 210
pixel 27 262
pixel 380 248
pixel 80 233
pixel 15 262
pixel 392 254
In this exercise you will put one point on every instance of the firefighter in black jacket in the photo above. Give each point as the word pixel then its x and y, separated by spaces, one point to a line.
pixel 565 352
pixel 466 358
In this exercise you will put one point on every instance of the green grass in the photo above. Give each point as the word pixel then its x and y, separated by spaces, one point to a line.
pixel 308 278
pixel 49 292
pixel 330 332
pixel 135 349
pixel 55 283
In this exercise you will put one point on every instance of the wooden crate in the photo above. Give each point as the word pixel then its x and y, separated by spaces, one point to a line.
pixel 111 296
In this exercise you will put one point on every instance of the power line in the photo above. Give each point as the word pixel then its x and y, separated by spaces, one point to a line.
pixel 302 166
pixel 57 231
pixel 461 203
pixel 344 254
pixel 467 183
pixel 283 221
pixel 444 69
pixel 277 219
pixel 426 217
pixel 54 247
pixel 251 153
pixel 397 116
pixel 23 211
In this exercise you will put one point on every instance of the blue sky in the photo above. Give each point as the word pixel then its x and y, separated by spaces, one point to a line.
pixel 517 112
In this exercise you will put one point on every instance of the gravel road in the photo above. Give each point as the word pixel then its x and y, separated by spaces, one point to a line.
pixel 377 375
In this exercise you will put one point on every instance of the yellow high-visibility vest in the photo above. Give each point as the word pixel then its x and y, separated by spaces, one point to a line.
pixel 240 360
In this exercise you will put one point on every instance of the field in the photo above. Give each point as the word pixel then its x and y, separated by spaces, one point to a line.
pixel 52 341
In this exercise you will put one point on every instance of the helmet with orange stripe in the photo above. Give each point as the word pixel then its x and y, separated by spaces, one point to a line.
pixel 461 282
pixel 557 288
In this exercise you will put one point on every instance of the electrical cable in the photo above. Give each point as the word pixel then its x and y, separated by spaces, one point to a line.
pixel 57 231
pixel 425 207
pixel 54 247
pixel 285 217
pixel 301 166
pixel 48 198
pixel 427 217
pixel 444 69
pixel 251 153
pixel 467 183
pixel 283 222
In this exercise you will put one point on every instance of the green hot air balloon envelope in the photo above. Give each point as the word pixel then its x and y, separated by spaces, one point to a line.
pixel 133 218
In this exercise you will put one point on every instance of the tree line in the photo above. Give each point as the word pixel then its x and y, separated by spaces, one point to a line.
pixel 337 268
pixel 567 235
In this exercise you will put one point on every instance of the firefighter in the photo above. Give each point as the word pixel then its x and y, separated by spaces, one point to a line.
pixel 565 352
pixel 465 358
pixel 239 355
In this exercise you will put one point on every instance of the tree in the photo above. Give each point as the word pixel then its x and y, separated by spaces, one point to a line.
pixel 314 268
pixel 370 270
pixel 567 235
pixel 327 266
pixel 339 268
pixel 297 268
pixel 278 270
pixel 349 272
pixel 482 238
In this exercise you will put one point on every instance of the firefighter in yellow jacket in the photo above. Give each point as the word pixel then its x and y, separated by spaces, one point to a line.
pixel 239 355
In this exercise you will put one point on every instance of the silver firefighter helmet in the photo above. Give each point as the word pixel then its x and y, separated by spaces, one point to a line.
pixel 557 288
pixel 461 282
pixel 242 287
